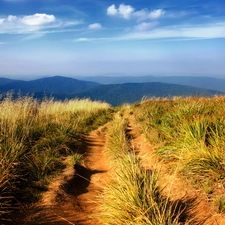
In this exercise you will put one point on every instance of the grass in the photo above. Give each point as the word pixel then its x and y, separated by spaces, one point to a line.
pixel 35 138
pixel 133 196
pixel 76 158
pixel 187 134
pixel 219 203
pixel 190 131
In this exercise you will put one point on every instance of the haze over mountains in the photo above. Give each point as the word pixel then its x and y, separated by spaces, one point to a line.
pixel 114 90
pixel 200 82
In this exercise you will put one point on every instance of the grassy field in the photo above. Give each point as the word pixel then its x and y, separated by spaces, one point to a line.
pixel 186 135
pixel 35 138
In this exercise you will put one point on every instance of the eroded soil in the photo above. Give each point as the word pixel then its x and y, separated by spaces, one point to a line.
pixel 72 196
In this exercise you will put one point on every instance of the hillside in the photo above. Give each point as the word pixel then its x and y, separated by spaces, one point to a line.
pixel 82 162
pixel 200 82
pixel 4 81
pixel 117 94
pixel 50 85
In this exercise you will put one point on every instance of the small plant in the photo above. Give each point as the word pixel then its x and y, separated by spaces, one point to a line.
pixel 76 158
pixel 219 203
pixel 207 187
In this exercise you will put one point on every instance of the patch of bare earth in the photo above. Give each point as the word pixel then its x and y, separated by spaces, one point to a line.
pixel 197 209
pixel 71 198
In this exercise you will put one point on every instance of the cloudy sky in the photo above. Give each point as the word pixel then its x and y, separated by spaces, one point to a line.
pixel 103 37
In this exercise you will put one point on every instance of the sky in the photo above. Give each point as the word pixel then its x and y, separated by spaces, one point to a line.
pixel 40 38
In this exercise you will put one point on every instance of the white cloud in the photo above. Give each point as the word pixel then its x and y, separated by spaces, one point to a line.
pixel 155 14
pixel 32 23
pixel 112 10
pixel 11 19
pixel 82 39
pixel 71 23
pixel 127 12
pixel 18 23
pixel 180 32
pixel 124 10
pixel 141 14
pixel 37 19
pixel 95 26
pixel 145 14
pixel 146 26
pixel 172 33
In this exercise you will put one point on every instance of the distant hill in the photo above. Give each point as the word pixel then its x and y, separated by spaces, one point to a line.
pixel 50 85
pixel 200 82
pixel 117 94
pixel 4 81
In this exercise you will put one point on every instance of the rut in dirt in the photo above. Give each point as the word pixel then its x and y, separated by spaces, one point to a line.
pixel 196 208
pixel 75 199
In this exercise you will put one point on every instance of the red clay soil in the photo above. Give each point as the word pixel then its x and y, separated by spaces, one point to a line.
pixel 71 198
pixel 197 209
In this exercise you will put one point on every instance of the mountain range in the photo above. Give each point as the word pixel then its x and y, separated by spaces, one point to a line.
pixel 49 85
pixel 210 83
pixel 118 90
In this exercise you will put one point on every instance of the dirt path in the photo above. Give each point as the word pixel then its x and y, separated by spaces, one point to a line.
pixel 71 198
pixel 198 210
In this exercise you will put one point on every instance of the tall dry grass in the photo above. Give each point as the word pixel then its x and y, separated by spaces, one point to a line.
pixel 190 131
pixel 133 196
pixel 35 138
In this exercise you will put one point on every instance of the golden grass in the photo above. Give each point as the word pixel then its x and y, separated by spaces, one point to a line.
pixel 133 196
pixel 190 131
pixel 35 137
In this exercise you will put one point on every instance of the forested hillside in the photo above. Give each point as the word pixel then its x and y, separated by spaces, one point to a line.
pixel 62 88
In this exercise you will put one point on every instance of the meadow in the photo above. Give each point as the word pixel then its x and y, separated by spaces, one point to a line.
pixel 186 137
pixel 35 139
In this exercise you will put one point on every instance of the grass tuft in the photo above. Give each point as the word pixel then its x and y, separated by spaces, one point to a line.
pixel 219 203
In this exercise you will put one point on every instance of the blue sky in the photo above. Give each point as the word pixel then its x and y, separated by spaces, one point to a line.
pixel 103 37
